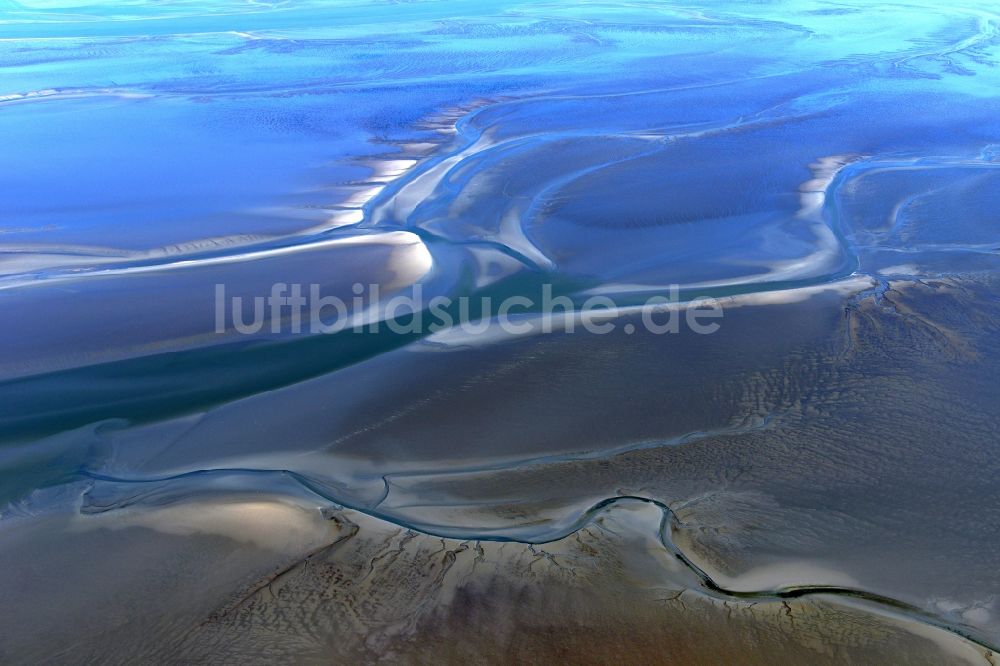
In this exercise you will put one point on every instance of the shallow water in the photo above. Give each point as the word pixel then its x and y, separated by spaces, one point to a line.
pixel 826 172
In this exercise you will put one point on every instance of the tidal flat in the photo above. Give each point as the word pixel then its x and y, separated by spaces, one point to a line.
pixel 192 473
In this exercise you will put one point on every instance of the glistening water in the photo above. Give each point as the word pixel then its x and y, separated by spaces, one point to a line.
pixel 184 478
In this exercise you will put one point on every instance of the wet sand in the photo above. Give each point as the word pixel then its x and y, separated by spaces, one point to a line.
pixel 814 481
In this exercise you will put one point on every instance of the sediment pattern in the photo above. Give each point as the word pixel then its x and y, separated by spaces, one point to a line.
pixel 816 480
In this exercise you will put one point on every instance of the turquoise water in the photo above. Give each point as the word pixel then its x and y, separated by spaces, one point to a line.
pixel 827 171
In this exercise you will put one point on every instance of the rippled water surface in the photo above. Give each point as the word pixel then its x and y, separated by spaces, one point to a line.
pixel 816 480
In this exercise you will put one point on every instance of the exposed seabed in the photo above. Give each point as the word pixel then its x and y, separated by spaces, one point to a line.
pixel 815 481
